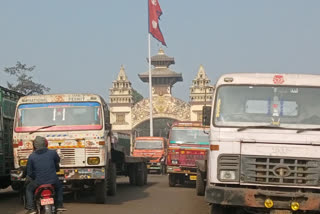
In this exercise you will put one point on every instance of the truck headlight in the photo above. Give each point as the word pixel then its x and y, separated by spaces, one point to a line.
pixel 174 161
pixel 227 175
pixel 228 167
pixel 93 160
pixel 23 162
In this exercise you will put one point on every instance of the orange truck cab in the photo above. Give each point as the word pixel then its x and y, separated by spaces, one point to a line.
pixel 153 147
pixel 187 143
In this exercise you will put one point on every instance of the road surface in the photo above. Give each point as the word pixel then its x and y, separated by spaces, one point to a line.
pixel 155 198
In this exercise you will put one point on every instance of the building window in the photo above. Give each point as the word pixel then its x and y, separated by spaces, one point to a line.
pixel 120 118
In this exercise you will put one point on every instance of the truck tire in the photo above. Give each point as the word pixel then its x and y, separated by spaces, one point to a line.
pixel 5 182
pixel 172 180
pixel 140 171
pixel 112 179
pixel 132 174
pixel 101 192
pixel 181 179
pixel 200 184
pixel 145 174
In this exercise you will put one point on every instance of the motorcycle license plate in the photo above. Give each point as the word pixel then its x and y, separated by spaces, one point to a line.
pixel 46 201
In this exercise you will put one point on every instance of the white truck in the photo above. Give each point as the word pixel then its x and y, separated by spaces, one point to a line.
pixel 78 127
pixel 264 152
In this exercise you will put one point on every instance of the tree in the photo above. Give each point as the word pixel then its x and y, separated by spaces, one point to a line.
pixel 136 96
pixel 24 83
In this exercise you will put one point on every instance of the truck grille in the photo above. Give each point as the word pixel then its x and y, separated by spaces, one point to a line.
pixel 67 157
pixel 72 156
pixel 92 151
pixel 280 171
pixel 190 159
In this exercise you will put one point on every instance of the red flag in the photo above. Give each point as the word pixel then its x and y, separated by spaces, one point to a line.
pixel 154 16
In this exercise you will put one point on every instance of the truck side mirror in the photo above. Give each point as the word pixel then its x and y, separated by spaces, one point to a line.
pixel 206 115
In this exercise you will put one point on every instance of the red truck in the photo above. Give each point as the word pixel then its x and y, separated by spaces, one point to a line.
pixel 154 148
pixel 188 142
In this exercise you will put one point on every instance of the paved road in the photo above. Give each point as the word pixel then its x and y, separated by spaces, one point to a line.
pixel 155 198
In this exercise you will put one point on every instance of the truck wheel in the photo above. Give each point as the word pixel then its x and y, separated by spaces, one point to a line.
pixel 140 171
pixel 112 179
pixel 181 179
pixel 200 184
pixel 132 174
pixel 101 192
pixel 172 180
pixel 5 182
pixel 145 174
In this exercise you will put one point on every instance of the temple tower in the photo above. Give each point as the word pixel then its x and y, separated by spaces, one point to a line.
pixel 200 94
pixel 120 102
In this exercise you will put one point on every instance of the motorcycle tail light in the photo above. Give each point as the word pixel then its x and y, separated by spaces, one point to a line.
pixel 46 193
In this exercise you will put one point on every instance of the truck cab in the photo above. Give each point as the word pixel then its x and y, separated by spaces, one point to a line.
pixel 187 143
pixel 154 148
pixel 264 144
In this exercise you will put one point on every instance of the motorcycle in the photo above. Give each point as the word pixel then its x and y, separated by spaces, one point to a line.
pixel 44 199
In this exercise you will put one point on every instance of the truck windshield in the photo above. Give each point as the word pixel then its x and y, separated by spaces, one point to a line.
pixel 284 106
pixel 150 144
pixel 182 135
pixel 59 116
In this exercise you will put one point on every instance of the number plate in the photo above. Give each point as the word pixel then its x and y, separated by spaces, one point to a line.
pixel 61 172
pixel 46 201
pixel 193 177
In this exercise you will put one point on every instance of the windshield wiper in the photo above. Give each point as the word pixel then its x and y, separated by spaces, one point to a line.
pixel 258 127
pixel 43 127
pixel 311 129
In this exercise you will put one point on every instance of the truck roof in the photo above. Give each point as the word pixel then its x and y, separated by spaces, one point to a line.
pixel 47 98
pixel 270 79
pixel 150 138
pixel 10 94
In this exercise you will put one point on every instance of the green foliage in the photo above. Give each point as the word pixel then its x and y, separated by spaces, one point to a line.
pixel 24 83
pixel 136 96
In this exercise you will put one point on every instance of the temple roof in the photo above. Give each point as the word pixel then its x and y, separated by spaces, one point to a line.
pixel 161 73
pixel 122 74
pixel 161 59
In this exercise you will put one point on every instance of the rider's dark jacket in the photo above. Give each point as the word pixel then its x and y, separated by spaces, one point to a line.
pixel 42 166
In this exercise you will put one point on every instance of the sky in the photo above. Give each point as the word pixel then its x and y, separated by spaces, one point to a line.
pixel 79 45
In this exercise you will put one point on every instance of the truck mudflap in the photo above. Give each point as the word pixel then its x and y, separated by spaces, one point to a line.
pixel 256 198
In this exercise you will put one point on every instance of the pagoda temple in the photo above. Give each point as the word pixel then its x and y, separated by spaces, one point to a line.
pixel 163 78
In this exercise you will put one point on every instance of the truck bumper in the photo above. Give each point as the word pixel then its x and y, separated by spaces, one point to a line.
pixel 153 166
pixel 181 170
pixel 81 173
pixel 256 197
pixel 68 174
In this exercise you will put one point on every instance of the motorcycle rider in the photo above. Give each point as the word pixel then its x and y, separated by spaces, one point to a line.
pixel 41 169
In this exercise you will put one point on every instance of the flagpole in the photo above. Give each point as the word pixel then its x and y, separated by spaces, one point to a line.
pixel 150 86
